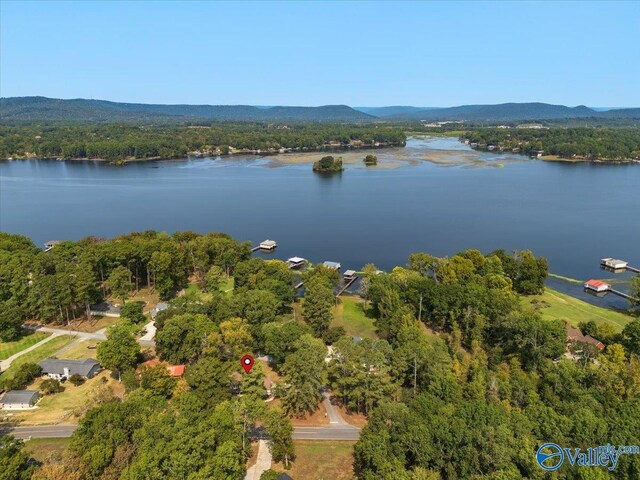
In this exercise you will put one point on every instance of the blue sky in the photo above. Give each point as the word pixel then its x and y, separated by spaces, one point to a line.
pixel 360 53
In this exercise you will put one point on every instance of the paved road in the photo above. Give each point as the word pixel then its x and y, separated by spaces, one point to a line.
pixel 99 335
pixel 332 432
pixel 326 433
pixel 263 462
pixel 334 414
pixel 44 431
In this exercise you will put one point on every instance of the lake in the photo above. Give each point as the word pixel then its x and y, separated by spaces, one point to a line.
pixel 435 195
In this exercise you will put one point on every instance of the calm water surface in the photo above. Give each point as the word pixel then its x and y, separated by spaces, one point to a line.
pixel 436 195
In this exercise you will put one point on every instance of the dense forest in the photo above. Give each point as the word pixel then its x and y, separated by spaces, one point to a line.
pixel 462 380
pixel 604 144
pixel 33 110
pixel 120 142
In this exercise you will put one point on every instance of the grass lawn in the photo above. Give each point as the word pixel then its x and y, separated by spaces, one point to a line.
pixel 317 460
pixel 96 323
pixel 8 349
pixel 350 314
pixel 40 353
pixel 81 350
pixel 67 406
pixel 43 448
pixel 564 307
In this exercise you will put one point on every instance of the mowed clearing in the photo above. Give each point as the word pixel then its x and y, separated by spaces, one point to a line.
pixel 8 349
pixel 321 461
pixel 555 305
pixel 350 315
pixel 38 354
pixel 67 407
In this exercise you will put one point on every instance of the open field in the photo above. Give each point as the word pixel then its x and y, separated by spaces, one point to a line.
pixel 350 314
pixel 40 353
pixel 81 350
pixel 321 461
pixel 96 323
pixel 66 407
pixel 149 296
pixel 553 304
pixel 43 448
pixel 8 349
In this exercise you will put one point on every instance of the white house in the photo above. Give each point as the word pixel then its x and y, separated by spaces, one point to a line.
pixel 332 265
pixel 61 368
pixel 296 262
pixel 268 245
pixel 19 400
pixel 597 286
pixel 613 263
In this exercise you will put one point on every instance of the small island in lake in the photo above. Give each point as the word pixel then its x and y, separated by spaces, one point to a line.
pixel 328 164
pixel 370 160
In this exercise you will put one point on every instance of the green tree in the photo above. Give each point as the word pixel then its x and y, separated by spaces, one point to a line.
pixel 11 317
pixel 133 313
pixel 370 160
pixel 14 462
pixel 280 431
pixel 182 337
pixel 280 339
pixel 120 283
pixel 214 278
pixel 635 290
pixel 120 351
pixel 210 379
pixel 631 336
pixel 157 380
pixel 252 385
pixel 76 379
pixel 50 386
pixel 318 302
pixel 304 372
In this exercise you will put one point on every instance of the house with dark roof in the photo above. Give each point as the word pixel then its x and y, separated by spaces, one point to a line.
pixel 575 337
pixel 19 399
pixel 62 368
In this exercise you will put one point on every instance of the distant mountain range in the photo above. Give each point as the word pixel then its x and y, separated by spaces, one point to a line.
pixel 511 112
pixel 42 109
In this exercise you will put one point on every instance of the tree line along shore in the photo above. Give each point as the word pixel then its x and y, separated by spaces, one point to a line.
pixel 126 142
pixel 458 364
pixel 121 143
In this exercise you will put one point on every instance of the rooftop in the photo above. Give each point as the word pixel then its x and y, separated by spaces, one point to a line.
pixel 296 260
pixel 596 284
pixel 57 366
pixel 19 396
pixel 349 273
pixel 575 335
pixel 334 265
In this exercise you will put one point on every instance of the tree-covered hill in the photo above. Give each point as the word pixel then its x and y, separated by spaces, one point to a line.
pixel 514 111
pixel 42 109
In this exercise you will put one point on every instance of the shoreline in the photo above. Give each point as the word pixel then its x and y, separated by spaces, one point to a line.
pixel 189 155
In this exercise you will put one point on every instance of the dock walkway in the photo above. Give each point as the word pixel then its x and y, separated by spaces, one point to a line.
pixel 347 285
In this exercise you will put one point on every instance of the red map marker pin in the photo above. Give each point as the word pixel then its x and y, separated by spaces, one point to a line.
pixel 247 362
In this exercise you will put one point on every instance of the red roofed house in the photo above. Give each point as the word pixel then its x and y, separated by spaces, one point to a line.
pixel 597 286
pixel 575 336
pixel 174 370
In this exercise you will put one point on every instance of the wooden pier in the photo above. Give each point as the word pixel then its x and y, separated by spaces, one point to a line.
pixel 633 269
pixel 623 295
pixel 266 245
pixel 299 285
pixel 347 285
